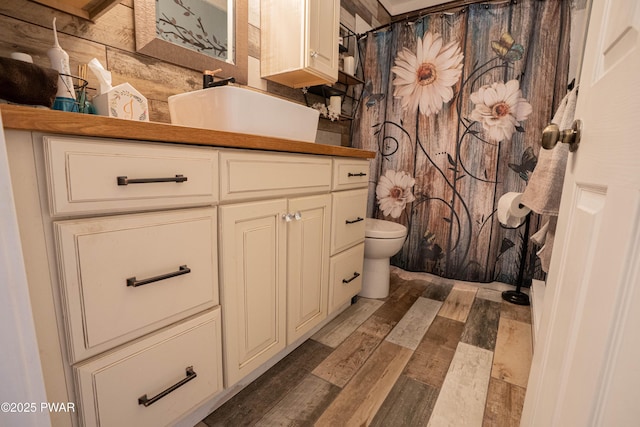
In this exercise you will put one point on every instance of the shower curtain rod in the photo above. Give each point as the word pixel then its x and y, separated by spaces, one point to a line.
pixel 456 4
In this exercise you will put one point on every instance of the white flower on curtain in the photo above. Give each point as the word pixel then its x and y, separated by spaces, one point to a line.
pixel 394 192
pixel 424 81
pixel 499 107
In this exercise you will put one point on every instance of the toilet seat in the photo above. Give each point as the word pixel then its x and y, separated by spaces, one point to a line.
pixel 380 229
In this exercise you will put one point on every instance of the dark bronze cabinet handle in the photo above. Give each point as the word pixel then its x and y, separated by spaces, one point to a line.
pixel 131 281
pixel 350 174
pixel 124 180
pixel 355 276
pixel 143 400
pixel 354 221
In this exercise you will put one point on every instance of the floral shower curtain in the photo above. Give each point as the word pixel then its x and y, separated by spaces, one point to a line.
pixel 454 105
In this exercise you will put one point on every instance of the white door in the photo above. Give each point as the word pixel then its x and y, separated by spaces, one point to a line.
pixel 586 365
pixel 20 368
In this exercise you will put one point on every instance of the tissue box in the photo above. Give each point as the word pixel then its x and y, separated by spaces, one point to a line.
pixel 123 102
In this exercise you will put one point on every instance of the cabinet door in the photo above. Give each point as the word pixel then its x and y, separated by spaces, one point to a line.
pixel 307 264
pixel 322 32
pixel 299 41
pixel 253 284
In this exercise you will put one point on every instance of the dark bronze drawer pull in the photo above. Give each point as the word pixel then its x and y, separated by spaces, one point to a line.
pixel 123 180
pixel 354 221
pixel 355 276
pixel 191 374
pixel 131 281
pixel 349 175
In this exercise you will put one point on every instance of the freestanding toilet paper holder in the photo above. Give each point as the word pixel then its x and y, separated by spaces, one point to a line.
pixel 518 297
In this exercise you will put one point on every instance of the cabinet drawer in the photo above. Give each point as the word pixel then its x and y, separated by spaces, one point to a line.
pixel 105 262
pixel 93 176
pixel 347 219
pixel 345 275
pixel 246 175
pixel 349 173
pixel 112 389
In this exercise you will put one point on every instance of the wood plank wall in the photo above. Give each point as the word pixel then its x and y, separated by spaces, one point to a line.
pixel 26 27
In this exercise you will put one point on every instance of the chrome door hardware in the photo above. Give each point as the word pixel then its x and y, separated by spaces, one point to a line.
pixel 288 217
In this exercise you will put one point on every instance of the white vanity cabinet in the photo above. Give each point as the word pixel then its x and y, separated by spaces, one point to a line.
pixel 274 254
pixel 164 277
pixel 299 41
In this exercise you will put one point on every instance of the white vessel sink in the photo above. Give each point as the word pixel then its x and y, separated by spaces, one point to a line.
pixel 235 109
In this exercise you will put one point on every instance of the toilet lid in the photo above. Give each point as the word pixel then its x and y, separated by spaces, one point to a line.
pixel 381 229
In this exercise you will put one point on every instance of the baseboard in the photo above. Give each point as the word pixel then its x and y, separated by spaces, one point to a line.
pixel 537 299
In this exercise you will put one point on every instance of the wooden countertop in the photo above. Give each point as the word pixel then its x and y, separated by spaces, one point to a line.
pixel 52 121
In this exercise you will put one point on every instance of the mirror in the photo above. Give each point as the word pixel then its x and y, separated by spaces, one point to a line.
pixel 196 34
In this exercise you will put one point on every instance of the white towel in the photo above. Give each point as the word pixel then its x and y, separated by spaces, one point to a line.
pixel 544 188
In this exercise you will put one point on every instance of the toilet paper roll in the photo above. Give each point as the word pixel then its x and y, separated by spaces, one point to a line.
pixel 510 211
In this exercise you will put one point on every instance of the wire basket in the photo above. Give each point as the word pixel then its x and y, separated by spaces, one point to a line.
pixel 79 105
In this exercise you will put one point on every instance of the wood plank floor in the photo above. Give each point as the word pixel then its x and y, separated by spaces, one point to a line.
pixel 435 352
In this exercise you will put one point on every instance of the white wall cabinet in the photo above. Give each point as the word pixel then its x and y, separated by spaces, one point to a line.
pixel 299 41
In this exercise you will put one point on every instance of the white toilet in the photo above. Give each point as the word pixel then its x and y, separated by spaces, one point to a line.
pixel 382 240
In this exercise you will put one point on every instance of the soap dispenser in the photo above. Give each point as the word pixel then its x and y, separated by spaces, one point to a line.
pixel 66 96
